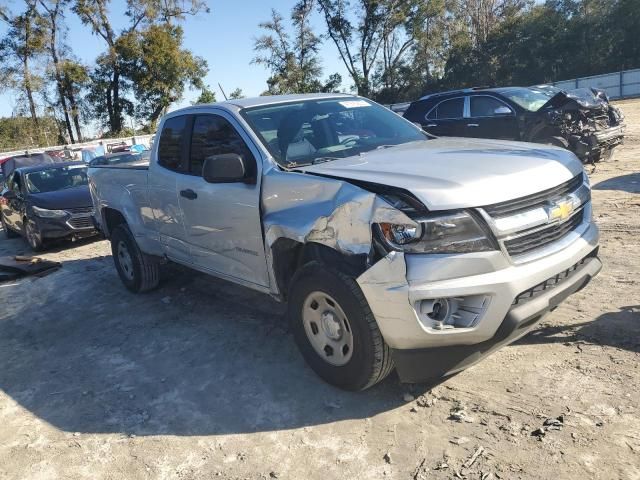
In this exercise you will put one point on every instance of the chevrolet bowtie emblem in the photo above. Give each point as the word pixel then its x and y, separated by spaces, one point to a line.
pixel 560 210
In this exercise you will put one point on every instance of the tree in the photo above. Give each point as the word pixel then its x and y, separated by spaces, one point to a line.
pixel 236 94
pixel 53 15
pixel 158 69
pixel 23 43
pixel 292 59
pixel 360 33
pixel 109 74
pixel 206 96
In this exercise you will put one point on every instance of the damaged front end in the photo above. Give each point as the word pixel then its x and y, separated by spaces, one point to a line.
pixel 585 119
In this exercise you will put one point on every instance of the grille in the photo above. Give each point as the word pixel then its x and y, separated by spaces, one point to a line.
pixel 545 236
pixel 529 202
pixel 81 222
pixel 551 282
pixel 80 210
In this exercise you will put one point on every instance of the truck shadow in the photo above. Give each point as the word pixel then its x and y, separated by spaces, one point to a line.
pixel 198 357
pixel 619 329
pixel 626 183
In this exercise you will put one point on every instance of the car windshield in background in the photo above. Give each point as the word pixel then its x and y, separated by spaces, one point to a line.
pixel 529 98
pixel 56 179
pixel 313 131
pixel 120 158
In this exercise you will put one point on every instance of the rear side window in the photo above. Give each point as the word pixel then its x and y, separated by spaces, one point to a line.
pixel 448 109
pixel 170 146
pixel 214 135
pixel 483 106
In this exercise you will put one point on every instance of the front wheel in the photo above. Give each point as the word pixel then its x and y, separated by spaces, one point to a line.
pixel 335 329
pixel 33 235
pixel 138 271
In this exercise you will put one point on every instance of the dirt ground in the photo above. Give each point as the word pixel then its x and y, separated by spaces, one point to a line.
pixel 201 379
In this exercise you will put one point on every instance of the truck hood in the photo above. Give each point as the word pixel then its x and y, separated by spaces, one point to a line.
pixel 449 173
pixel 583 97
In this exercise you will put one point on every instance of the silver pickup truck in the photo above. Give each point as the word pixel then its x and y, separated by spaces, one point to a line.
pixel 392 248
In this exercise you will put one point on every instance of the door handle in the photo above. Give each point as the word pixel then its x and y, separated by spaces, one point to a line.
pixel 431 125
pixel 188 193
pixel 472 125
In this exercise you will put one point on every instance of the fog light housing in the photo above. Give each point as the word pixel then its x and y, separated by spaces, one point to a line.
pixel 452 312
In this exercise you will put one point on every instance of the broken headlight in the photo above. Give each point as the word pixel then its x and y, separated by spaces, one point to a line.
pixel 46 213
pixel 456 232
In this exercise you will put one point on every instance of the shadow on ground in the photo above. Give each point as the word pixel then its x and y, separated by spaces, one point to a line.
pixel 619 329
pixel 624 183
pixel 198 357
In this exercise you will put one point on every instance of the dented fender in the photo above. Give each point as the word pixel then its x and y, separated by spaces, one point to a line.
pixel 309 208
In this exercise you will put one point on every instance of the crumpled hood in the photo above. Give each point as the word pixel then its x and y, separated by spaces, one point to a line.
pixel 62 199
pixel 584 97
pixel 449 173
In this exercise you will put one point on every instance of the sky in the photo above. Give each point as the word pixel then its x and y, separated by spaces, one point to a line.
pixel 224 38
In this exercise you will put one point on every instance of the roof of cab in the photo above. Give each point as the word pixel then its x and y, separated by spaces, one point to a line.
pixel 240 103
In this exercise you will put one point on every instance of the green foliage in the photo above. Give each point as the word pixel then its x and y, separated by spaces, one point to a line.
pixel 206 96
pixel 21 132
pixel 236 94
pixel 292 58
pixel 158 68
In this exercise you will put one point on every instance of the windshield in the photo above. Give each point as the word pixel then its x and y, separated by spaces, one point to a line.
pixel 312 131
pixel 56 179
pixel 529 98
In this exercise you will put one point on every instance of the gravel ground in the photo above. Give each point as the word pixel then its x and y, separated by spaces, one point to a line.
pixel 202 380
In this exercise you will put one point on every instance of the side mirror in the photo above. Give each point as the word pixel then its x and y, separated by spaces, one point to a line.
pixel 226 168
pixel 502 111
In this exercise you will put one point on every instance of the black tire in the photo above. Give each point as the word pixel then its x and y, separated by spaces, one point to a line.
pixel 32 235
pixel 142 273
pixel 7 231
pixel 557 142
pixel 370 362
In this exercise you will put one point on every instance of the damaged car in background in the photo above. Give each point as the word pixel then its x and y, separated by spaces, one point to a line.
pixel 581 120
pixel 391 248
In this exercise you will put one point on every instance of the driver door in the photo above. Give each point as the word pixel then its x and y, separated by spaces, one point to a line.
pixel 222 220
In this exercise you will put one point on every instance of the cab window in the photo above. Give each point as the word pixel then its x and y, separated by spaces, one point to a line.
pixel 448 109
pixel 170 146
pixel 214 135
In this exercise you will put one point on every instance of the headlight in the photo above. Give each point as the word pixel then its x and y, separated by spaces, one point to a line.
pixel 456 232
pixel 46 213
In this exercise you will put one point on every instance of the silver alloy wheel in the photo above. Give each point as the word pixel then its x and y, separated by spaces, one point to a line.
pixel 124 259
pixel 33 237
pixel 327 328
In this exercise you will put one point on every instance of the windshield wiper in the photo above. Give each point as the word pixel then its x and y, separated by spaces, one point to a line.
pixel 315 161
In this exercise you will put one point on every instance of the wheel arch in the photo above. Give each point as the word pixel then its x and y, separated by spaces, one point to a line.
pixel 290 255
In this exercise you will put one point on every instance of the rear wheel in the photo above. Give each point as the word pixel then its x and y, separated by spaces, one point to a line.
pixel 335 329
pixel 138 271
pixel 32 235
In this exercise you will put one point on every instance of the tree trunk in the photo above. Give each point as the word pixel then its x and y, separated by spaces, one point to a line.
pixel 74 115
pixel 116 121
pixel 29 90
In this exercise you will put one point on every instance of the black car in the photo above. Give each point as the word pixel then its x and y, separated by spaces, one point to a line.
pixel 47 201
pixel 581 120
pixel 111 159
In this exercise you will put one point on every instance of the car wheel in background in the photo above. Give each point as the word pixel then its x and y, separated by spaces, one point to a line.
pixel 7 231
pixel 335 329
pixel 557 142
pixel 32 235
pixel 139 272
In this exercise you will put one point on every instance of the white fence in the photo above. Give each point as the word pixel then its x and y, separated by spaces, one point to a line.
pixel 617 85
pixel 138 139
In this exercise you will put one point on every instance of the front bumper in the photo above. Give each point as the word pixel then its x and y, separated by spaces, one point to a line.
pixel 396 285
pixel 51 228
